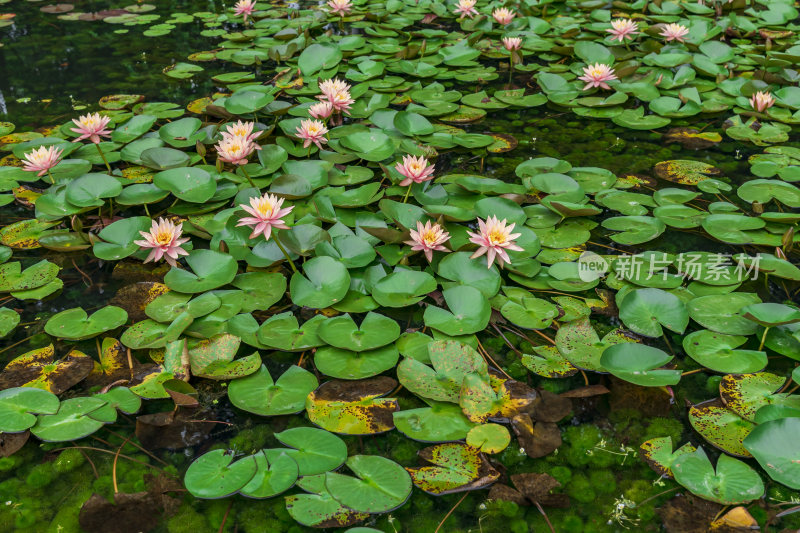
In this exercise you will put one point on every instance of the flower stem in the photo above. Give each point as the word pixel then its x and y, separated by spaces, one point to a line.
pixel 246 175
pixel 103 156
pixel 286 254
pixel 405 198
pixel 50 175
pixel 763 338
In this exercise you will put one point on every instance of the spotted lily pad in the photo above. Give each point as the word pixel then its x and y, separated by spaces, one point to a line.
pixel 453 467
pixel 747 393
pixel 353 407
pixel 39 368
pixel 721 427
pixel 659 455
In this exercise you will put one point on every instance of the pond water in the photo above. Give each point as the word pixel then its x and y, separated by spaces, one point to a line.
pixel 579 466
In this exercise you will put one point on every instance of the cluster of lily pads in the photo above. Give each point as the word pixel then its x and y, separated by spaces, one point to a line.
pixel 291 209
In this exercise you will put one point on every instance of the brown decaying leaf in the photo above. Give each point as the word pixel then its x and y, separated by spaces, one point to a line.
pixel 10 443
pixel 688 514
pixel 585 392
pixel 531 488
pixel 650 401
pixel 38 368
pixel 137 512
pixel 172 430
pixel 552 408
pixel 134 298
pixel 538 439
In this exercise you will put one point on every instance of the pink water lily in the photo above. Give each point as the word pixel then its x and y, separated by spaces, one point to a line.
pixel 512 43
pixel 597 75
pixel 163 240
pixel 414 169
pixel 340 7
pixel 337 93
pixel 234 150
pixel 244 7
pixel 244 131
pixel 330 87
pixel 41 159
pixel 266 213
pixel 494 238
pixel 674 32
pixel 762 101
pixel 428 238
pixel 312 131
pixel 91 126
pixel 466 8
pixel 503 15
pixel 622 29
pixel 321 110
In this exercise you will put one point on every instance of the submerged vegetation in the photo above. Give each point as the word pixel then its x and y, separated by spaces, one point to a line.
pixel 408 266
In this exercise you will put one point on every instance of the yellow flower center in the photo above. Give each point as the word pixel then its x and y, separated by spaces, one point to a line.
pixel 264 208
pixel 163 237
pixel 429 237
pixel 497 236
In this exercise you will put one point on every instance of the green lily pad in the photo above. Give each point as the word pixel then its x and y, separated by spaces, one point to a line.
pixel 75 324
pixel 375 331
pixel 645 311
pixel 20 405
pixel 325 282
pixel 210 270
pixel 319 508
pixel 774 446
pixel 347 364
pixel 441 422
pixel 273 476
pixel 639 364
pixel 489 438
pixel 315 451
pixel 732 482
pixel 469 312
pixel 283 332
pixel 259 394
pixel 717 352
pixel 658 454
pixel 215 474
pixel 70 422
pixel 380 486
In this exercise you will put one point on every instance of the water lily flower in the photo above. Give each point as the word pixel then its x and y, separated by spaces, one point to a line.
pixel 340 7
pixel 164 240
pixel 341 102
pixel 266 213
pixel 329 88
pixel 321 110
pixel 597 75
pixel 674 32
pixel 41 159
pixel 494 238
pixel 234 150
pixel 428 238
pixel 91 126
pixel 414 169
pixel 622 29
pixel 242 130
pixel 503 15
pixel 245 7
pixel 762 101
pixel 312 131
pixel 512 43
pixel 466 8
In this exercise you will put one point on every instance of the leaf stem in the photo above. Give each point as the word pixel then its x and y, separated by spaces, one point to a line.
pixel 246 175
